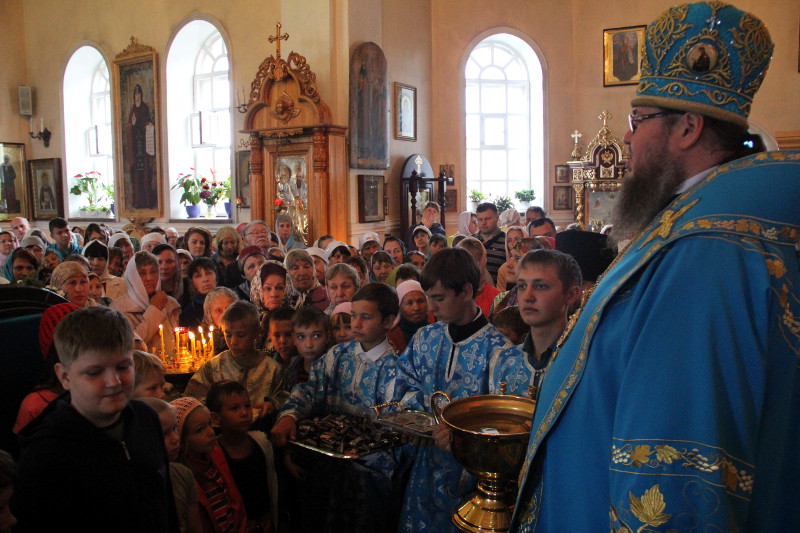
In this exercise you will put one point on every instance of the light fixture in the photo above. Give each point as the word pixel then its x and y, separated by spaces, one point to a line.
pixel 44 134
pixel 240 100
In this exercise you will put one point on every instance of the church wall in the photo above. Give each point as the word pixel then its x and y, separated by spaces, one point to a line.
pixel 13 126
pixel 569 34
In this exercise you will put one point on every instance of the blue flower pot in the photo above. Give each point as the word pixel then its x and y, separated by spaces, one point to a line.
pixel 193 211
pixel 228 208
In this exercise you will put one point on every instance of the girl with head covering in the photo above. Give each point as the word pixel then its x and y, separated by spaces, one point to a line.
pixel 98 255
pixel 467 226
pixel 413 315
pixel 307 289
pixel 71 280
pixel 145 305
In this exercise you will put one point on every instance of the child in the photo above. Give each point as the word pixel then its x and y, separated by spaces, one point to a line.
pixel 438 242
pixel 507 273
pixel 184 489
pixel 242 362
pixel 382 266
pixel 93 444
pixel 8 476
pixel 451 355
pixel 509 322
pixel 351 378
pixel 281 337
pixel 149 375
pixel 340 323
pixel 221 505
pixel 311 330
pixel 248 453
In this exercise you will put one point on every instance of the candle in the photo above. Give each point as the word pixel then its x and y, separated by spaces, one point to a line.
pixel 161 335
pixel 200 331
pixel 177 342
pixel 204 352
pixel 211 339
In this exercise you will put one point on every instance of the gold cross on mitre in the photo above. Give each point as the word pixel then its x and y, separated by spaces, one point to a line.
pixel 278 37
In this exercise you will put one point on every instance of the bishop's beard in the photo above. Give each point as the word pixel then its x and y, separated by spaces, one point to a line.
pixel 643 195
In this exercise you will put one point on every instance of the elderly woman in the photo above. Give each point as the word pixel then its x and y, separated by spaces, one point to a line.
pixel 70 278
pixel 308 290
pixel 412 317
pixel 151 240
pixel 269 290
pixel 249 262
pixel 198 241
pixel 97 254
pixel 341 282
pixel 287 233
pixel 214 306
pixel 228 243
pixel 122 241
pixel 145 305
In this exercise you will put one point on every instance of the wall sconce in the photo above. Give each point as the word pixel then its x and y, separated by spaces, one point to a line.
pixel 44 134
pixel 240 100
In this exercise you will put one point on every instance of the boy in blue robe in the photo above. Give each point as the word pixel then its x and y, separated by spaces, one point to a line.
pixel 350 379
pixel 451 355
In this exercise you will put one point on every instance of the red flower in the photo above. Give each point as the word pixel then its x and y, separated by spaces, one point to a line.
pixel 203 180
pixel 278 202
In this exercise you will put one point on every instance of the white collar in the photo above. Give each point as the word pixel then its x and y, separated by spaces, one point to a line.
pixel 694 180
pixel 375 353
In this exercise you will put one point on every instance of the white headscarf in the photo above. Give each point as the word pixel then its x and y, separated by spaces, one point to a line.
pixel 463 222
pixel 136 290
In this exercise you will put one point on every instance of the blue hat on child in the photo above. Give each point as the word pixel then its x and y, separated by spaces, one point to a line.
pixel 708 58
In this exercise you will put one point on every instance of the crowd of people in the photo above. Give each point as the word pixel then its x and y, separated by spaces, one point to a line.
pixel 666 378
pixel 299 331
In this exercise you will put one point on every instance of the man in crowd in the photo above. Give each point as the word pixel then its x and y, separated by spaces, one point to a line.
pixel 532 213
pixel 256 233
pixel 542 227
pixel 19 227
pixel 62 237
pixel 492 237
pixel 673 405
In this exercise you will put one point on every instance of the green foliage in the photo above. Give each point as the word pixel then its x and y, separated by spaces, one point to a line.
pixel 196 188
pixel 476 196
pixel 98 194
pixel 503 203
pixel 525 195
pixel 191 188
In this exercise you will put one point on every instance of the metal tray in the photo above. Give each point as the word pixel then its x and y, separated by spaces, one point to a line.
pixel 409 421
pixel 344 436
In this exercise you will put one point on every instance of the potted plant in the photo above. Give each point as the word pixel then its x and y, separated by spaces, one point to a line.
pixel 476 197
pixel 191 193
pixel 503 203
pixel 525 197
pixel 89 184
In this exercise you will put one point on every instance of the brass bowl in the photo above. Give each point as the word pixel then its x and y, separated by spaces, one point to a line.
pixel 490 439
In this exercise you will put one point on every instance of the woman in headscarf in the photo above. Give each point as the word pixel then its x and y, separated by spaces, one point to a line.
pixel 228 243
pixel 413 315
pixel 269 289
pixel 169 272
pixel 507 273
pixel 249 262
pixel 97 254
pixel 70 279
pixel 508 218
pixel 467 225
pixel 145 305
pixel 308 291
pixel 287 235
pixel 214 306
pixel 20 264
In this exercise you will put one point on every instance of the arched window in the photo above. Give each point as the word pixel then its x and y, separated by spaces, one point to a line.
pixel 88 145
pixel 199 107
pixel 504 117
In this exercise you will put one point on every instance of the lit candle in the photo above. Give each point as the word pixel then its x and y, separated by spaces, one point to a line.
pixel 200 331
pixel 161 335
pixel 177 342
pixel 191 344
pixel 205 347
pixel 211 339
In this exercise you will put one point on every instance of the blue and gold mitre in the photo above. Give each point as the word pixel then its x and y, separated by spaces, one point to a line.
pixel 708 58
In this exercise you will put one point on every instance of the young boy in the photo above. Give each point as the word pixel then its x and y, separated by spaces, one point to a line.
pixel 382 266
pixel 62 237
pixel 351 378
pixel 509 322
pixel 242 362
pixel 94 460
pixel 451 355
pixel 281 336
pixel 248 453
pixel 311 330
pixel 149 371
pixel 548 283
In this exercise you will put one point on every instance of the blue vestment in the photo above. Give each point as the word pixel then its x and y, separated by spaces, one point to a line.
pixel 438 482
pixel 674 402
